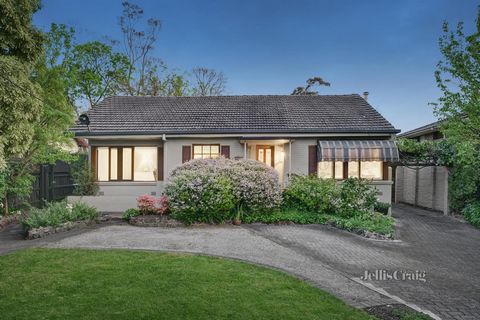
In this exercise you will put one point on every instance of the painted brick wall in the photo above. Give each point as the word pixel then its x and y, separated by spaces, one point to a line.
pixel 426 187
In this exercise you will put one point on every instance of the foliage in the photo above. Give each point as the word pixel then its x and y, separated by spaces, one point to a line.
pixel 458 77
pixel 472 214
pixel 18 37
pixel 356 197
pixel 311 194
pixel 382 207
pixel 248 186
pixel 84 177
pixel 427 152
pixel 130 213
pixel 371 222
pixel 193 287
pixel 306 91
pixel 148 204
pixel 200 195
pixel 19 111
pixel 56 213
pixel 45 126
pixel 138 45
pixel 98 70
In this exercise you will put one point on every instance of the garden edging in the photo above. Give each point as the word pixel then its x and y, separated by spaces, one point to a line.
pixel 43 232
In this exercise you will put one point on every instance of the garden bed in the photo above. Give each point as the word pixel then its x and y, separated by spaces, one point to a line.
pixel 58 217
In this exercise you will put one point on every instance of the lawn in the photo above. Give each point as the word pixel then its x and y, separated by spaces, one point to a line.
pixel 118 284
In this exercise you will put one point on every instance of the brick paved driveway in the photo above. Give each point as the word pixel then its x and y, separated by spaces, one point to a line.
pixel 448 250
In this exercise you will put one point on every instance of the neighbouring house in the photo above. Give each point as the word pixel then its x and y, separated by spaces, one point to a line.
pixel 135 142
pixel 425 187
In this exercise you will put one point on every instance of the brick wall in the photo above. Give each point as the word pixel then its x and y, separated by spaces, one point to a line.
pixel 425 187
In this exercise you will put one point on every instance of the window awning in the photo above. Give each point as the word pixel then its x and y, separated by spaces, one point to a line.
pixel 357 150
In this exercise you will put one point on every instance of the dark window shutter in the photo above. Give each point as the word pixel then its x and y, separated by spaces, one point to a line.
pixel 312 160
pixel 385 171
pixel 225 151
pixel 93 159
pixel 160 164
pixel 186 153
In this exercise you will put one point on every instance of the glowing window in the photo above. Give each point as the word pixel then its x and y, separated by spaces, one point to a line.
pixel 145 164
pixel 371 170
pixel 325 169
pixel 102 163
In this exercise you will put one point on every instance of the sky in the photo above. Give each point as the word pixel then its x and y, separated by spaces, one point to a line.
pixel 388 48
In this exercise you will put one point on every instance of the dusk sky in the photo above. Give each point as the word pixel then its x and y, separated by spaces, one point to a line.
pixel 389 48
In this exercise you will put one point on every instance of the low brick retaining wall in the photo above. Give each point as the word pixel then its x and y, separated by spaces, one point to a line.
pixel 155 221
pixel 67 226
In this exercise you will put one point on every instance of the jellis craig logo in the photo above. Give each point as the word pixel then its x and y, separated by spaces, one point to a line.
pixel 396 275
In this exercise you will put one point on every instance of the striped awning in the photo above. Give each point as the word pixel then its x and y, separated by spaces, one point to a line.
pixel 356 150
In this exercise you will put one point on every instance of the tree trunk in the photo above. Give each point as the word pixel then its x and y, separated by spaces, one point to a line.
pixel 5 205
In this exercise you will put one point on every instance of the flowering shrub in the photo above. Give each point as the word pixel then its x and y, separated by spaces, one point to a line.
pixel 148 204
pixel 347 199
pixel 213 190
pixel 311 194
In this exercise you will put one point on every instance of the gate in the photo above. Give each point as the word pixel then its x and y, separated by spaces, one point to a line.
pixel 52 182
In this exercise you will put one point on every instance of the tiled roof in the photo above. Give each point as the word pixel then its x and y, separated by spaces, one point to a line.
pixel 120 115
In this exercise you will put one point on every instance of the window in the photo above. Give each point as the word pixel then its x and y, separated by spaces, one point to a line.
pixel 113 163
pixel 145 164
pixel 338 170
pixel 353 169
pixel 371 170
pixel 102 164
pixel 325 169
pixel 126 163
pixel 206 151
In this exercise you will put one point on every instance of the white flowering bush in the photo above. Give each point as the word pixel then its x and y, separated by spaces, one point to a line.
pixel 215 190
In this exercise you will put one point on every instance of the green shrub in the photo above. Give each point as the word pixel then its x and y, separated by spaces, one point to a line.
pixel 200 195
pixel 130 213
pixel 84 177
pixel 382 207
pixel 56 213
pixel 472 214
pixel 373 222
pixel 356 197
pixel 311 194
pixel 214 190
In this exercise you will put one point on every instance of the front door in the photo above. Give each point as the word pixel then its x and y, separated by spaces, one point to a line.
pixel 265 154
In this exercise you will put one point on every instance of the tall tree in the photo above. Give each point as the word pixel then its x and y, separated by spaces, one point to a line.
pixel 458 77
pixel 138 45
pixel 18 37
pixel 307 90
pixel 208 82
pixel 20 46
pixel 98 71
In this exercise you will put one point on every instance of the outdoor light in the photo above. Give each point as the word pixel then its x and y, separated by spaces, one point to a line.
pixel 84 119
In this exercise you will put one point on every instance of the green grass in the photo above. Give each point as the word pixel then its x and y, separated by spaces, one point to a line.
pixel 117 284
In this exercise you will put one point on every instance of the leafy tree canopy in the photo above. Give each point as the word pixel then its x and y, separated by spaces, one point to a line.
pixel 18 37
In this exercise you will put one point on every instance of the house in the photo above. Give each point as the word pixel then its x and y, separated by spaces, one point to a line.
pixel 427 132
pixel 135 142
pixel 423 186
